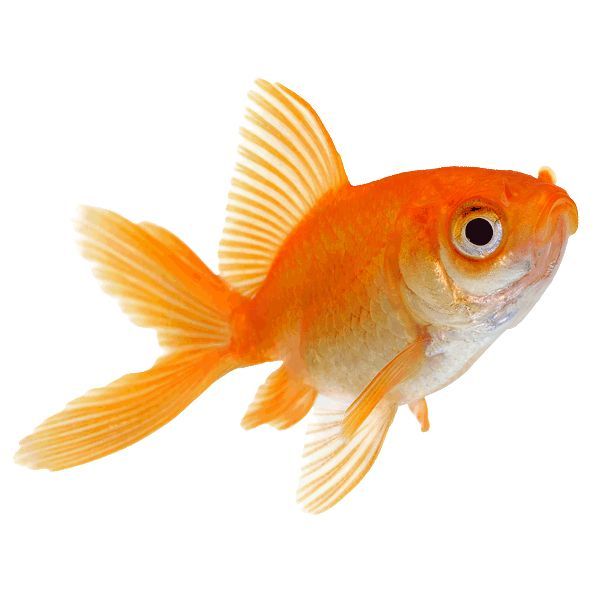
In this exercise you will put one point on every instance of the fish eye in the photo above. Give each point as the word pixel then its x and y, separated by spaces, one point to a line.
pixel 476 231
pixel 479 231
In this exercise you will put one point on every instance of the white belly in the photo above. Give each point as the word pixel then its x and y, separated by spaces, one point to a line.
pixel 344 349
pixel 341 369
pixel 448 356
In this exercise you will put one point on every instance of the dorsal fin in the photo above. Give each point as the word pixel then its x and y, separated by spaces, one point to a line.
pixel 287 162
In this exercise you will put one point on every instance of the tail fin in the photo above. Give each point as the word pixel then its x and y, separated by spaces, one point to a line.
pixel 161 284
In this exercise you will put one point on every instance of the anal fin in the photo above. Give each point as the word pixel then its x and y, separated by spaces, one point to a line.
pixel 281 401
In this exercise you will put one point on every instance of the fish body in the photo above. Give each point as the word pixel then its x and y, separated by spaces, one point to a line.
pixel 371 296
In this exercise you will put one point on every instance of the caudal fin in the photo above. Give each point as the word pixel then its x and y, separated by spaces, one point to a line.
pixel 162 284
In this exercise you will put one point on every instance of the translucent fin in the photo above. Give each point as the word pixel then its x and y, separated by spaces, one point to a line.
pixel 159 281
pixel 287 162
pixel 108 419
pixel 334 463
pixel 400 368
pixel 420 410
pixel 281 401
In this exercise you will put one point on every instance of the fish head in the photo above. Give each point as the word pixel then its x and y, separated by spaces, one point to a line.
pixel 480 246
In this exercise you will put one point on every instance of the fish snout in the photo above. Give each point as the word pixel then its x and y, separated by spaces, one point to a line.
pixel 557 211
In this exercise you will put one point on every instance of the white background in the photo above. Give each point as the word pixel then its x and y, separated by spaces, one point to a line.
pixel 135 106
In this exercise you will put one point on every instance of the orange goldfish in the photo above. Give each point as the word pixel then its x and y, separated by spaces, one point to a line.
pixel 371 296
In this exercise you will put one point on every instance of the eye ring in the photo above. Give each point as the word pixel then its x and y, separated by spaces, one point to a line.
pixel 477 231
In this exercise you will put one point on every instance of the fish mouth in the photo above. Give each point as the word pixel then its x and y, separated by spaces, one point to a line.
pixel 557 221
pixel 545 258
pixel 558 212
pixel 550 247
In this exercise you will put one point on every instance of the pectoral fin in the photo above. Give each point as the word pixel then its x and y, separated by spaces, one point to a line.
pixel 400 368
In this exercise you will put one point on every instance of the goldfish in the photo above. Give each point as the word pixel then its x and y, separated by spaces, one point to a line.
pixel 370 296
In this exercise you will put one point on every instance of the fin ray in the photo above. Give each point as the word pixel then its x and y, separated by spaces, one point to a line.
pixel 108 419
pixel 335 464
pixel 281 401
pixel 287 162
pixel 400 368
pixel 160 283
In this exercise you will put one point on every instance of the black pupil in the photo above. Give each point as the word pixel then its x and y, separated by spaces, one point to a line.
pixel 479 231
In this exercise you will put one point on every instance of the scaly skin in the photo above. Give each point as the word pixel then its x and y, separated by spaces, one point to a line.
pixel 363 274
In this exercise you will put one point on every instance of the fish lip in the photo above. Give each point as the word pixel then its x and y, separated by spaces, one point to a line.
pixel 557 221
pixel 556 209
pixel 550 251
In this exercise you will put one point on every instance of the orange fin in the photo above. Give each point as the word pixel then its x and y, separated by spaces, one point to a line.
pixel 281 401
pixel 420 410
pixel 160 283
pixel 158 280
pixel 400 368
pixel 108 419
pixel 287 162
pixel 334 463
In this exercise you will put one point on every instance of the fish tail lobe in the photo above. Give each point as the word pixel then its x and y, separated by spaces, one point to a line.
pixel 160 283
